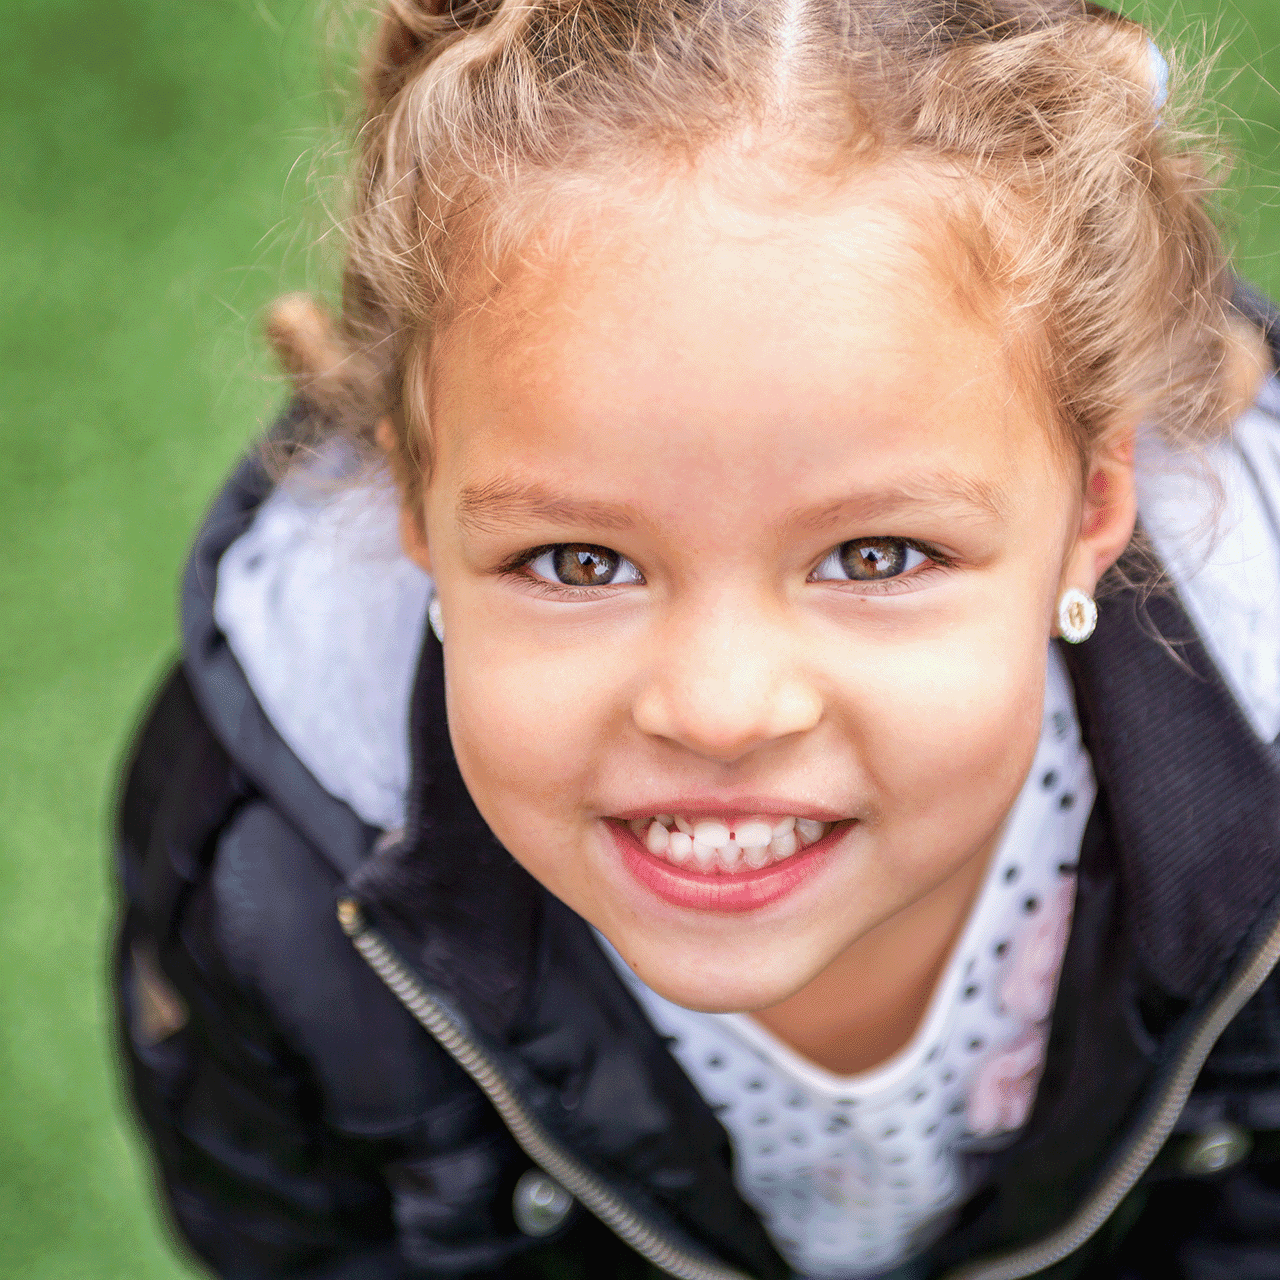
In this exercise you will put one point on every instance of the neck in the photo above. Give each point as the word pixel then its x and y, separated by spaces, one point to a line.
pixel 865 1006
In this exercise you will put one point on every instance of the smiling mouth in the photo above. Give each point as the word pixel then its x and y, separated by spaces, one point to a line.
pixel 719 847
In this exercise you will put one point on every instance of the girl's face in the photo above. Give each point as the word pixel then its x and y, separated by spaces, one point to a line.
pixel 742 527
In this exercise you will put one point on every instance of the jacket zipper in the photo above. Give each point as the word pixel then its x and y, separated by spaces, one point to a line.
pixel 533 1139
pixel 671 1258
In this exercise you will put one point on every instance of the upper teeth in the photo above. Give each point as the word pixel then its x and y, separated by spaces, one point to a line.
pixel 718 845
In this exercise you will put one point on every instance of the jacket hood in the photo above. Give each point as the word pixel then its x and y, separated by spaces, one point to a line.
pixel 324 614
pixel 224 692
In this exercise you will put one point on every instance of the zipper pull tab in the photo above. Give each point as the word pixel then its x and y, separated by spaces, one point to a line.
pixel 350 917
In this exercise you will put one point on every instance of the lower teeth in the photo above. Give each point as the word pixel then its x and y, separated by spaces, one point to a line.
pixel 704 855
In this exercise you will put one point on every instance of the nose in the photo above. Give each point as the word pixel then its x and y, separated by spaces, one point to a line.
pixel 726 682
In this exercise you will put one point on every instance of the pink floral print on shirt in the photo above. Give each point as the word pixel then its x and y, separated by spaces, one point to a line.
pixel 1005 1085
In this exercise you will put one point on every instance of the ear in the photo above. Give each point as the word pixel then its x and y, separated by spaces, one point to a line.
pixel 1107 516
pixel 413 538
pixel 413 533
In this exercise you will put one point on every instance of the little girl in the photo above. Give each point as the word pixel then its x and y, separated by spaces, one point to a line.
pixel 622 808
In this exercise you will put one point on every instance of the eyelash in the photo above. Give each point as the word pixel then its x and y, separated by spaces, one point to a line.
pixel 517 566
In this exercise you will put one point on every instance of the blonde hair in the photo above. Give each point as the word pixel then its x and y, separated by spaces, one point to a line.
pixel 1081 205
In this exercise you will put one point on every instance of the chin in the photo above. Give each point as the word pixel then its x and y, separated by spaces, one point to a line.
pixel 718 986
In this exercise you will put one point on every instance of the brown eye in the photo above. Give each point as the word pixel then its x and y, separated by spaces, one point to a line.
pixel 872 558
pixel 579 565
pixel 583 564
pixel 869 560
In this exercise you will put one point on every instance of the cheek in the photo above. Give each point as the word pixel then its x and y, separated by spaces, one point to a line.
pixel 947 736
pixel 529 728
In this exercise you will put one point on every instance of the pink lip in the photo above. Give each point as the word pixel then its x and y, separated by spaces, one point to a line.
pixel 742 891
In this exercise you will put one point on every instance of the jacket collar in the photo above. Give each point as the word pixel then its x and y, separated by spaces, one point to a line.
pixel 473 910
pixel 1194 794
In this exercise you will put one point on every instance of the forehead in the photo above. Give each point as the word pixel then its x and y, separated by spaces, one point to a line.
pixel 766 342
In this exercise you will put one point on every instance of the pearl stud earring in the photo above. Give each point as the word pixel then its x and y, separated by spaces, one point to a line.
pixel 434 617
pixel 1077 615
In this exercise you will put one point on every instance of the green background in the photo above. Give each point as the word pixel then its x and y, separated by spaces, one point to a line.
pixel 164 171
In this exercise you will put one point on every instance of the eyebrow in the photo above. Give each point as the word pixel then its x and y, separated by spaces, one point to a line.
pixel 501 504
pixel 934 489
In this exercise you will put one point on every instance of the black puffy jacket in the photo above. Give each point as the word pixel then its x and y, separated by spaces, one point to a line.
pixel 362 1055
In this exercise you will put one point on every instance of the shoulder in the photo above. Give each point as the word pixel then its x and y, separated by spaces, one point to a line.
pixel 273 922
pixel 241 905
